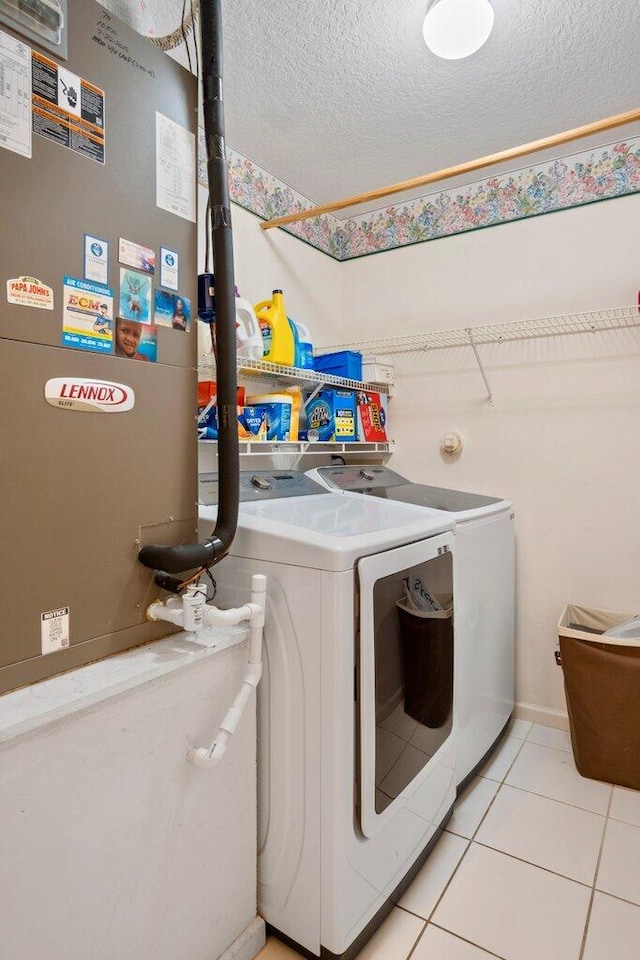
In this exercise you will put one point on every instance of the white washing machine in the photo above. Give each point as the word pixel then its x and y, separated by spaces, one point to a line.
pixel 353 791
pixel 484 578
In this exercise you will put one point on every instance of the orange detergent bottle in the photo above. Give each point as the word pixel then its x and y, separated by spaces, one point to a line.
pixel 277 339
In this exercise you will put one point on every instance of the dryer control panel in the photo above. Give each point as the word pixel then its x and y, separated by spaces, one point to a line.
pixel 377 481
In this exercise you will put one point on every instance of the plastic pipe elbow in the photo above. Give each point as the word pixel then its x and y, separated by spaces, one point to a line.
pixel 213 617
pixel 158 611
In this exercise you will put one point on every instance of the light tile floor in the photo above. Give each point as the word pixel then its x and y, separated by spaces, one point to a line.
pixel 536 863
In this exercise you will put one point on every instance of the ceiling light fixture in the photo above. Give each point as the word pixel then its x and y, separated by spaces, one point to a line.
pixel 454 29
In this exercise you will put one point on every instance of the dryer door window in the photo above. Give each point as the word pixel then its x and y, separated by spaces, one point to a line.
pixel 405 688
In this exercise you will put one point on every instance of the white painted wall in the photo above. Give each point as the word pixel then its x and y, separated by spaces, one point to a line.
pixel 561 440
pixel 113 845
pixel 268 260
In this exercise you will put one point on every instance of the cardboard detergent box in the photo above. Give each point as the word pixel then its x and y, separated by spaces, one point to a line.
pixel 372 416
pixel 252 423
pixel 208 412
pixel 331 415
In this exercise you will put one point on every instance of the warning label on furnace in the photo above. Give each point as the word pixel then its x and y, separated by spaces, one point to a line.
pixel 54 630
pixel 67 109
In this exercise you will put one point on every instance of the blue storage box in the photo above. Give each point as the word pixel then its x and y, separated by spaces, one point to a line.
pixel 344 363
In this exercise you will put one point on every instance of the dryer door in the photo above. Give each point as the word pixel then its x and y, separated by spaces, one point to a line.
pixel 405 683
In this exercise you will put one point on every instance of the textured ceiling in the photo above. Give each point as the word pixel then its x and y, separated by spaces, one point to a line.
pixel 337 97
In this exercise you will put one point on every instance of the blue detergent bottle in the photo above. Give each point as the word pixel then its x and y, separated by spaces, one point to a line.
pixel 296 341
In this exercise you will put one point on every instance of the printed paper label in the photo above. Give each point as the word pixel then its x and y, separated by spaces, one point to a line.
pixel 30 292
pixel 175 168
pixel 54 630
pixel 96 259
pixel 67 109
pixel 168 269
pixel 15 95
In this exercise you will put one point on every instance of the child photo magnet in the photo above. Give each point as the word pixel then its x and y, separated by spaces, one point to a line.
pixel 171 310
pixel 136 341
pixel 135 296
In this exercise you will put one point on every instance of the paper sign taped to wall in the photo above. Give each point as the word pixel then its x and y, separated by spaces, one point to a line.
pixel 15 95
pixel 175 168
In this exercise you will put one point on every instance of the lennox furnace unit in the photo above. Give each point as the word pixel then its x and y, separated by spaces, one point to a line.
pixel 97 446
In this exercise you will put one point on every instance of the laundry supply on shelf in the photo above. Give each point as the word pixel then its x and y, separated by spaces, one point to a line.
pixel 248 334
pixel 343 363
pixel 278 344
pixel 372 416
pixel 252 423
pixel 207 410
pixel 278 409
pixel 249 341
pixel 304 347
pixel 331 415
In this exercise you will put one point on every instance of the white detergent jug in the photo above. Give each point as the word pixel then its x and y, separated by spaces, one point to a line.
pixel 248 334
pixel 205 343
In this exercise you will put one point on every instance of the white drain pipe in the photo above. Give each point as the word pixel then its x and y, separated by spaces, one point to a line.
pixel 192 613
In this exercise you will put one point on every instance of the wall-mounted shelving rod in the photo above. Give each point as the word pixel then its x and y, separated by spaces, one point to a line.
pixel 479 362
pixel 613 318
pixel 469 166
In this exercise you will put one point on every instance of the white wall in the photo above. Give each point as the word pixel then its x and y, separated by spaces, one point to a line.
pixel 561 440
pixel 268 260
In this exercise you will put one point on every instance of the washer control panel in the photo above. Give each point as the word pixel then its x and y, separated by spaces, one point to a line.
pixel 261 485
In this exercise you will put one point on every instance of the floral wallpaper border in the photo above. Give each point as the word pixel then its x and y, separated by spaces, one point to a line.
pixel 600 174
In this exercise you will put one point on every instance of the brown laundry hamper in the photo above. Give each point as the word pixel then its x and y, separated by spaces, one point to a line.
pixel 427 657
pixel 602 686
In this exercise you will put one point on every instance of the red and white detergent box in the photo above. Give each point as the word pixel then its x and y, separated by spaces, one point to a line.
pixel 372 416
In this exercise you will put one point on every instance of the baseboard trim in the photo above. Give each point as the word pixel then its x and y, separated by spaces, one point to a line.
pixel 249 943
pixel 549 718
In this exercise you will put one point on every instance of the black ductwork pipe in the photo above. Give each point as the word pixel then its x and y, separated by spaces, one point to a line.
pixel 190 556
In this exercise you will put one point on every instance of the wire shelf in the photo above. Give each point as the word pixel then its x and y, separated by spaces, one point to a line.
pixel 614 318
pixel 259 368
pixel 268 448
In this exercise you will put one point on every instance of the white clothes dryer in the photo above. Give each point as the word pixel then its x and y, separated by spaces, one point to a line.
pixel 353 791
pixel 484 587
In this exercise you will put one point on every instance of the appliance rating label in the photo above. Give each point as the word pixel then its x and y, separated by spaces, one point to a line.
pixel 67 109
pixel 54 630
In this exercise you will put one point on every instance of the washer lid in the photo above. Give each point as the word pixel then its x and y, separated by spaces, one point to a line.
pixel 379 481
pixel 325 531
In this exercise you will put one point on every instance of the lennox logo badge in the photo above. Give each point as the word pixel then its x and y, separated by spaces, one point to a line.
pixel 78 393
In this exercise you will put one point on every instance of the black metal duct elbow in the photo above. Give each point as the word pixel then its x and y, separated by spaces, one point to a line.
pixel 190 556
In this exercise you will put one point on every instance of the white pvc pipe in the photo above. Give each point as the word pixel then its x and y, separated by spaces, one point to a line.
pixel 213 617
pixel 158 611
pixel 211 756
